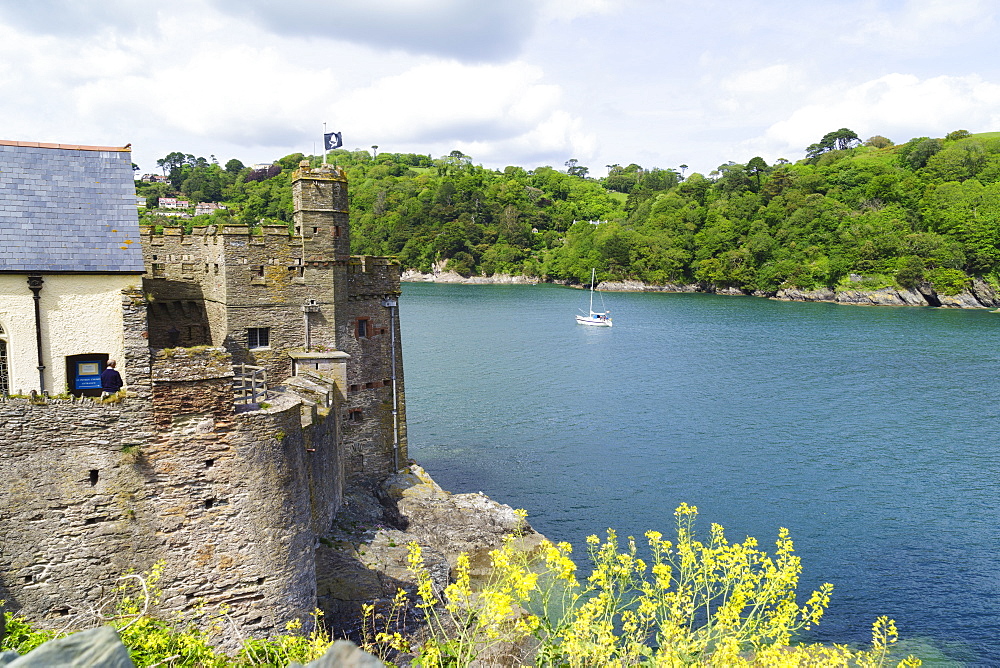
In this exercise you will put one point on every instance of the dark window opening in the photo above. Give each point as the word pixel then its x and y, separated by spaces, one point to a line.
pixel 315 230
pixel 361 330
pixel 209 503
pixel 257 271
pixel 258 337
pixel 353 388
pixel 28 579
pixel 354 415
pixel 260 581
pixel 369 386
pixel 336 231
pixel 94 475
pixel 209 463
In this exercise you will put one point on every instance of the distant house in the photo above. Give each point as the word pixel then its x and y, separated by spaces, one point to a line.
pixel 153 178
pixel 140 201
pixel 173 203
pixel 69 246
pixel 203 208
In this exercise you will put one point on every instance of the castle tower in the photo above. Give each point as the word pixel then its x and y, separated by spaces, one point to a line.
pixel 365 314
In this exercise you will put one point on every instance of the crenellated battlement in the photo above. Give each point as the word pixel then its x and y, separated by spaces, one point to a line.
pixel 232 500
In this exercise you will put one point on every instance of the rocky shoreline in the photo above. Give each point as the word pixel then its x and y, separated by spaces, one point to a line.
pixel 979 294
pixel 363 560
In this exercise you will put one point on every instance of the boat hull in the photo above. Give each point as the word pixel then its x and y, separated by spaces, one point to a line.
pixel 593 321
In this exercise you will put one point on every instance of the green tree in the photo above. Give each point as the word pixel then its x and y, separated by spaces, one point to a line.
pixel 756 167
pixel 878 141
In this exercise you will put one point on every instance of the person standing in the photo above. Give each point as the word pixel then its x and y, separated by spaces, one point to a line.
pixel 111 380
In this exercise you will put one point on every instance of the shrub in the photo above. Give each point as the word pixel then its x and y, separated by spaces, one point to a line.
pixel 948 281
pixel 708 603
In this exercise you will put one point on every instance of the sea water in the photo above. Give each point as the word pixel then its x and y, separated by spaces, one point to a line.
pixel 869 432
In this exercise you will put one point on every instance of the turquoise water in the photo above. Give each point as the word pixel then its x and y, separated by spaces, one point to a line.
pixel 870 432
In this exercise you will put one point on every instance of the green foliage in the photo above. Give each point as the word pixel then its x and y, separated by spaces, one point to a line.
pixel 695 602
pixel 876 209
pixel 179 640
pixel 21 636
pixel 878 141
pixel 948 281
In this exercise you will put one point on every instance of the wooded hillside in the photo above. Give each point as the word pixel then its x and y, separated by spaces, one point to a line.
pixel 924 210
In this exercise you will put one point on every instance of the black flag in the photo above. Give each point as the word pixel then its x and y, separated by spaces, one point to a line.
pixel 332 140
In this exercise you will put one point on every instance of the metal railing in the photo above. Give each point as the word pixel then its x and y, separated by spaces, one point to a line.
pixel 249 384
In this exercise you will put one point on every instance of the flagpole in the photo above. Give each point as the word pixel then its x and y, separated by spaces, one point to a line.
pixel 324 142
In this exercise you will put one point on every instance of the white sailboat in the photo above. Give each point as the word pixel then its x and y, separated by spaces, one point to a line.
pixel 596 319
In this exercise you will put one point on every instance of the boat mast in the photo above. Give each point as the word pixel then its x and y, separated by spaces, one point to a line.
pixel 593 275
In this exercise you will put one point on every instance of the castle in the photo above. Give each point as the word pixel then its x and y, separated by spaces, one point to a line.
pixel 232 490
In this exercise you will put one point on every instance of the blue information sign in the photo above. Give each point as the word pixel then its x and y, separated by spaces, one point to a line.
pixel 88 376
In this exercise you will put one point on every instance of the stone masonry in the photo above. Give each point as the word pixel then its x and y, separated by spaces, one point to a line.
pixel 232 501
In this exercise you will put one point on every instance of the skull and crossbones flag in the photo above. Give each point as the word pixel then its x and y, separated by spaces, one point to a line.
pixel 332 140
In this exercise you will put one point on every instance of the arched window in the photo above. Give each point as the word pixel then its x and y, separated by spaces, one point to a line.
pixel 4 365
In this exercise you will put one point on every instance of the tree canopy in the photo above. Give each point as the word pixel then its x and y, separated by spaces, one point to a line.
pixel 924 210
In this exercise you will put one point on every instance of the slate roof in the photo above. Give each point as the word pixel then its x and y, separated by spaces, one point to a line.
pixel 66 208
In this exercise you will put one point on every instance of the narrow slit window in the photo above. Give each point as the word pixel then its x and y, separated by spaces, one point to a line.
pixel 362 329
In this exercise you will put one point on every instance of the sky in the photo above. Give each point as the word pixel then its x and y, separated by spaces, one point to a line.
pixel 660 83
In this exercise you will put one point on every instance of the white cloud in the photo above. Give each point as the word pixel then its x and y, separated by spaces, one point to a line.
pixel 761 80
pixel 898 106
pixel 567 10
pixel 465 29
pixel 921 25
pixel 442 102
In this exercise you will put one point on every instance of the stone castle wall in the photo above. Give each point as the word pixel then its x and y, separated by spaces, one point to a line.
pixel 231 502
pixel 368 422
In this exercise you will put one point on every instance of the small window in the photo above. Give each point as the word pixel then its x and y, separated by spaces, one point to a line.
pixel 257 271
pixel 354 415
pixel 361 330
pixel 259 337
pixel 336 231
pixel 158 269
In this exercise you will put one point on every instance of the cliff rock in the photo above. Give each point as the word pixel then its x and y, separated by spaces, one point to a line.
pixel 364 559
